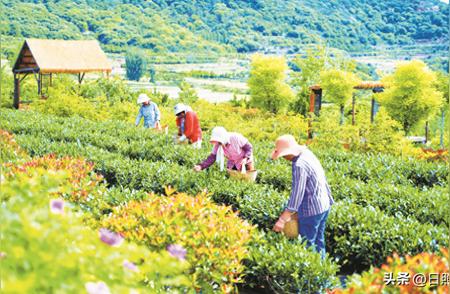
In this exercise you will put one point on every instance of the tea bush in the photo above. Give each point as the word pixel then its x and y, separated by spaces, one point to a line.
pixel 100 203
pixel 286 266
pixel 263 208
pixel 363 236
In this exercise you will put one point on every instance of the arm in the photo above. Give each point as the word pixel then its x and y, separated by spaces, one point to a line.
pixel 138 118
pixel 248 149
pixel 157 113
pixel 211 158
pixel 208 161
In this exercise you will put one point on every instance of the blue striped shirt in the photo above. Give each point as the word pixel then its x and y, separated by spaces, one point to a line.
pixel 310 193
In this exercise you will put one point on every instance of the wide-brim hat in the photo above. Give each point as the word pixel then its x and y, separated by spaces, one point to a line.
pixel 286 145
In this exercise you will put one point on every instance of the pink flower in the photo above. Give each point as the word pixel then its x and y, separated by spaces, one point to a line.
pixel 177 251
pixel 129 265
pixel 110 238
pixel 2 255
pixel 57 206
pixel 97 288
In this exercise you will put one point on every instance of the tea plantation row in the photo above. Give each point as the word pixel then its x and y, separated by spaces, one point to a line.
pixel 354 232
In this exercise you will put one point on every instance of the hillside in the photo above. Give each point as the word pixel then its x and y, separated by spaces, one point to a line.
pixel 228 25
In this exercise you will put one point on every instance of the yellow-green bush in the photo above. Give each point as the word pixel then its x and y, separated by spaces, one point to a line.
pixel 214 237
pixel 49 250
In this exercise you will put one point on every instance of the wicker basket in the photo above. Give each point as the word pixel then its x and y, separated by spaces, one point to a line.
pixel 291 227
pixel 249 176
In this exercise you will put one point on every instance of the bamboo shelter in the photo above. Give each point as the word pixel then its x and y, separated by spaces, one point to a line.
pixel 46 57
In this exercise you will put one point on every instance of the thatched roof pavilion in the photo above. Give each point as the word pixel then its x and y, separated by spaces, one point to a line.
pixel 46 57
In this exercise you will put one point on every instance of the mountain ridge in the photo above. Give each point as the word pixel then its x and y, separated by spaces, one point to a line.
pixel 229 25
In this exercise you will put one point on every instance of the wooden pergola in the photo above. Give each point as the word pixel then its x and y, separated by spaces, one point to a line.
pixel 315 99
pixel 46 57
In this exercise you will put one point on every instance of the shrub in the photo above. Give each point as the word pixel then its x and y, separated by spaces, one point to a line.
pixel 268 88
pixel 9 149
pixel 428 265
pixel 338 86
pixel 215 238
pixel 412 95
pixel 67 105
pixel 187 94
pixel 50 250
pixel 287 266
pixel 360 237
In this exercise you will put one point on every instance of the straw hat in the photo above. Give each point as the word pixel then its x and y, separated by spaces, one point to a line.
pixel 286 145
pixel 142 98
pixel 219 134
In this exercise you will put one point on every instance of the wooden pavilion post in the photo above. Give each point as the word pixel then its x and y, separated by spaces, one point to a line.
pixel 312 96
pixel 374 107
pixel 16 91
pixel 80 77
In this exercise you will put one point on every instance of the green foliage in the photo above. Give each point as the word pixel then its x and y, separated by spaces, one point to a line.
pixel 215 239
pixel 114 89
pixel 69 105
pixel 50 251
pixel 365 236
pixel 268 88
pixel 7 88
pixel 187 94
pixel 411 95
pixel 136 159
pixel 442 85
pixel 310 66
pixel 135 64
pixel 174 26
pixel 338 87
pixel 301 270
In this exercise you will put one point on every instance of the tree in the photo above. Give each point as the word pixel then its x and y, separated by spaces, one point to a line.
pixel 411 95
pixel 187 94
pixel 152 72
pixel 442 85
pixel 310 65
pixel 268 89
pixel 135 64
pixel 338 87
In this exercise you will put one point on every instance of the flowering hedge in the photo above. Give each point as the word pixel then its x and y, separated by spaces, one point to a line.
pixel 9 149
pixel 422 273
pixel 49 249
pixel 215 239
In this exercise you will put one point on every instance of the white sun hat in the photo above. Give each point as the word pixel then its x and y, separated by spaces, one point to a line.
pixel 142 98
pixel 180 107
pixel 219 134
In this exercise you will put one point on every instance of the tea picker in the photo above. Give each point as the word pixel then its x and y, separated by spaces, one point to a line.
pixel 233 146
pixel 188 124
pixel 310 200
pixel 149 111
